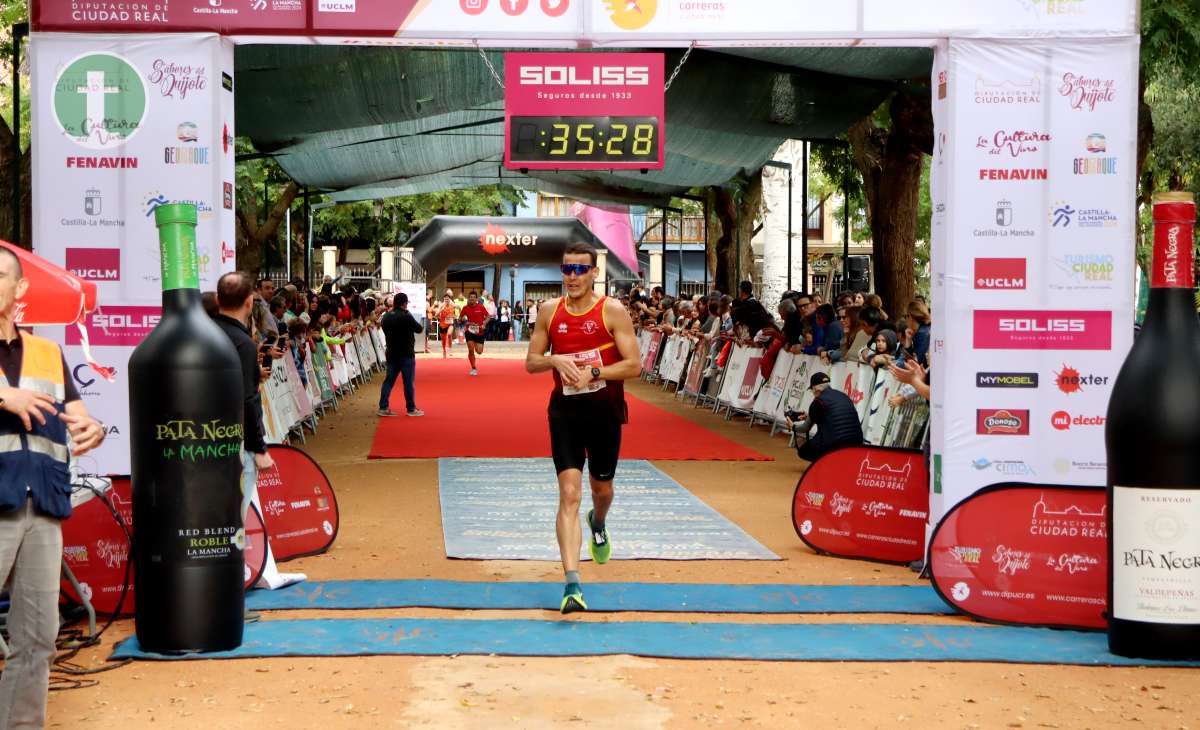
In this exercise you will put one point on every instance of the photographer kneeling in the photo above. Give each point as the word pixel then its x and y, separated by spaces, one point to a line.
pixel 832 413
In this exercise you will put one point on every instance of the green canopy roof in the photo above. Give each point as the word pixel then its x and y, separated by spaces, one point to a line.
pixel 369 123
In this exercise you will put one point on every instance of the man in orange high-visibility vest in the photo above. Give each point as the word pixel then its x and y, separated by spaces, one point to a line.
pixel 41 416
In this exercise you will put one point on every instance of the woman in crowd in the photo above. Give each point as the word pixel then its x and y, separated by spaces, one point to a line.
pixel 916 333
pixel 504 320
pixel 518 320
pixel 854 338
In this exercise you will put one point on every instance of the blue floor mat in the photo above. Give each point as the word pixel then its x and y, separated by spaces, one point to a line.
pixel 504 509
pixel 650 597
pixel 788 642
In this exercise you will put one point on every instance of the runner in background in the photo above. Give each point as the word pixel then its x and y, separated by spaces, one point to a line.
pixel 593 350
pixel 475 320
pixel 446 314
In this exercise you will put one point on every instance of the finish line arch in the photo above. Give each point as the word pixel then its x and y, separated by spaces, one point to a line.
pixel 1034 103
pixel 458 239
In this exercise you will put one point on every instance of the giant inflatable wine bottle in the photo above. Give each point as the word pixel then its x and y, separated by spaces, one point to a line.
pixel 1153 442
pixel 185 412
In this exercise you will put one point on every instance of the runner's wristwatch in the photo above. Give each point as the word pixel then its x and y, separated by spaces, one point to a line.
pixel 595 373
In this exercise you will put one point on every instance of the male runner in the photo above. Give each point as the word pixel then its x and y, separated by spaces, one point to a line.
pixel 593 349
pixel 475 315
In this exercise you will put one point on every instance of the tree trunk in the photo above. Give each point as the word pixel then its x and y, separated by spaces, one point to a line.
pixel 889 161
pixel 252 235
pixel 721 239
pixel 749 213
pixel 26 200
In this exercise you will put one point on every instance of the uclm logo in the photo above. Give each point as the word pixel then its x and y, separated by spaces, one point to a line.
pixel 1002 274
pixel 1048 330
pixel 94 264
pixel 494 240
pixel 1001 422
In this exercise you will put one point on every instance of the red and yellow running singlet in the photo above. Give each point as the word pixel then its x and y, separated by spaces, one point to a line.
pixel 587 339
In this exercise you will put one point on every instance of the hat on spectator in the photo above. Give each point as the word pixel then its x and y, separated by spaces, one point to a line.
pixel 818 379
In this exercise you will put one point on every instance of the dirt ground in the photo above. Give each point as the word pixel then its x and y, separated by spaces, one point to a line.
pixel 390 528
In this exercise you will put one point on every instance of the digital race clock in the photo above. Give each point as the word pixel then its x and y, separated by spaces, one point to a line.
pixel 584 139
pixel 573 111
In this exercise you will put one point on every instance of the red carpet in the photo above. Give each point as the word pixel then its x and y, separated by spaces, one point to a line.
pixel 502 413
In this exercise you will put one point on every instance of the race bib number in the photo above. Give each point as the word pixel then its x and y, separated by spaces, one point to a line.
pixel 588 359
pixel 474 329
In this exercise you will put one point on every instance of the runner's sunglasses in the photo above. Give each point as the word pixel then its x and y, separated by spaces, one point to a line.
pixel 576 269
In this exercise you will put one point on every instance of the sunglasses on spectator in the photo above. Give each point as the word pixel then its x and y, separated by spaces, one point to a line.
pixel 575 269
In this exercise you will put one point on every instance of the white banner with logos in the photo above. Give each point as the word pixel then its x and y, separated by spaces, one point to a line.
pixel 123 124
pixel 620 21
pixel 1033 284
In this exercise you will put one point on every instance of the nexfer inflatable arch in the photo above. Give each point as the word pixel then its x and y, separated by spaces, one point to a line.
pixel 451 239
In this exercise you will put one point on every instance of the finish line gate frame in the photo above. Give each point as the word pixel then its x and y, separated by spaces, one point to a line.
pixel 1034 103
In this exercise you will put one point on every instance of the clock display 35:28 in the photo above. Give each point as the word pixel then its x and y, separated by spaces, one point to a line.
pixel 592 139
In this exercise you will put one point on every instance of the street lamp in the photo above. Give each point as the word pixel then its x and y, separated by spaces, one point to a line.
pixel 787 166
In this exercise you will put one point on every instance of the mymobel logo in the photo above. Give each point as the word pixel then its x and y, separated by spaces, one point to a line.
pixel 495 241
pixel 1000 274
pixel 1047 330
pixel 94 264
pixel 631 14
pixel 1006 380
pixel 595 76
pixel 99 101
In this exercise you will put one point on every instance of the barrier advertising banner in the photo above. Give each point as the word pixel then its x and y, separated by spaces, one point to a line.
pixel 864 502
pixel 298 504
pixel 96 549
pixel 1034 276
pixel 165 135
pixel 1025 554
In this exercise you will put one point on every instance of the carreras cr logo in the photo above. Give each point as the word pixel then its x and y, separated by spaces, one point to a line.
pixel 631 14
pixel 99 101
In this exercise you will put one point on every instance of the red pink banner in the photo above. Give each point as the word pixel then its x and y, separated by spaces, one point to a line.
pixel 1025 554
pixel 298 505
pixel 864 502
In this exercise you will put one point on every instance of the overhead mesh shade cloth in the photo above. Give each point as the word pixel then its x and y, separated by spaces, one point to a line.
pixel 379 122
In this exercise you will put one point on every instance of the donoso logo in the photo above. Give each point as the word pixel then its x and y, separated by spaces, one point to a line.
pixel 94 264
pixel 574 76
pixel 1001 422
pixel 1004 274
pixel 1007 329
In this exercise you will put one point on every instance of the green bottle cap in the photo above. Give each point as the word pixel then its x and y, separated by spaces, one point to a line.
pixel 175 213
pixel 177 244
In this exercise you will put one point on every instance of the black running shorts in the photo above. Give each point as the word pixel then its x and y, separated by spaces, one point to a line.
pixel 585 431
pixel 472 337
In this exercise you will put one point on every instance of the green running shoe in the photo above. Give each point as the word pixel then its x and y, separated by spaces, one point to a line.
pixel 598 546
pixel 573 599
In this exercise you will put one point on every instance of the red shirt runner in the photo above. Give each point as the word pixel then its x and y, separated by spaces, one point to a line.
pixel 587 339
pixel 475 315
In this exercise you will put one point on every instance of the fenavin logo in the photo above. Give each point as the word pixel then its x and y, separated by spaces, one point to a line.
pixel 99 101
pixel 631 14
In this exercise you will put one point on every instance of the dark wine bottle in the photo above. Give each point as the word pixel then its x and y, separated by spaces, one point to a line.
pixel 1153 441
pixel 185 409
